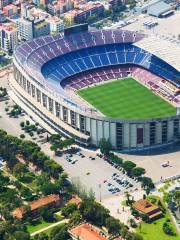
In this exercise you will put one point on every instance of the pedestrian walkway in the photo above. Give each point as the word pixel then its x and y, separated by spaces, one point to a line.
pixel 49 227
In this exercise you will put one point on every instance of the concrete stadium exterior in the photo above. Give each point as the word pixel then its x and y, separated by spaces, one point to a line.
pixel 51 108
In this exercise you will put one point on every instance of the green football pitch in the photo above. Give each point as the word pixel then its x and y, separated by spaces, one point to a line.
pixel 126 98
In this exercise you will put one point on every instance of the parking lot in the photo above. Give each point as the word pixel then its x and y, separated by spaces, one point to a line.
pixel 155 160
pixel 96 173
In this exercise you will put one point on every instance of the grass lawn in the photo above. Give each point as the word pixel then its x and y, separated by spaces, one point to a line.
pixel 41 224
pixel 126 98
pixel 154 231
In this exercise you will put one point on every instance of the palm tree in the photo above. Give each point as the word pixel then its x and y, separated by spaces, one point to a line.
pixel 128 201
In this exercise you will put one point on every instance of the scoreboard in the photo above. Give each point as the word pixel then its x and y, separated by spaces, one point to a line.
pixel 76 29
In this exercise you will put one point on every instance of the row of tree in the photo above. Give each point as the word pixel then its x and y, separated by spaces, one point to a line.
pixel 129 167
pixel 11 147
pixel 58 143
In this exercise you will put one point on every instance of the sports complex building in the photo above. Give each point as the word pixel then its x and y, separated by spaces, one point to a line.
pixel 113 84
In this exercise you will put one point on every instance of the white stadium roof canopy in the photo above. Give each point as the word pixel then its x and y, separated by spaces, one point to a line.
pixel 166 49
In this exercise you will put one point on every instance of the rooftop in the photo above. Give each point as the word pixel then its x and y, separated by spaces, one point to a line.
pixel 9 7
pixel 145 206
pixel 18 212
pixel 54 19
pixel 86 231
pixel 75 200
pixel 7 27
pixel 166 49
pixel 159 8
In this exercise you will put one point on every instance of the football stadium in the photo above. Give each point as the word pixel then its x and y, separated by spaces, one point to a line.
pixel 113 84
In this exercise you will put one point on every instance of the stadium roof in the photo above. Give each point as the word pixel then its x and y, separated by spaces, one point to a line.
pixel 165 49
pixel 158 8
pixel 147 4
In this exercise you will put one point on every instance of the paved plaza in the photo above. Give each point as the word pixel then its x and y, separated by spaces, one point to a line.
pixel 166 26
pixel 154 160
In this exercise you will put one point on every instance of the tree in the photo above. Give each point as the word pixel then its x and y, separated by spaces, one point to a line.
pixel 63 180
pixel 128 200
pixel 19 170
pixel 167 228
pixel 27 210
pixel 104 146
pixel 91 194
pixel 94 212
pixel 91 18
pixel 4 181
pixel 59 233
pixel 22 124
pixel 176 197
pixel 128 166
pixel 116 159
pixel 22 136
pixel 69 209
pixel 27 122
pixel 54 138
pixel 113 225
pixel 59 144
pixel 132 223
pixel 52 168
pixel 138 171
pixel 148 190
pixel 48 216
pixel 68 142
pixel 20 235
pixel 146 182
pixel 75 218
pixel 41 236
pixel 49 188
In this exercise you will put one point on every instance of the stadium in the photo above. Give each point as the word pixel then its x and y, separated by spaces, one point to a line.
pixel 89 85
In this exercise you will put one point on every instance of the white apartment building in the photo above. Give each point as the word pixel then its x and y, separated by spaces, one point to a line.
pixel 25 29
pixel 8 38
pixel 56 24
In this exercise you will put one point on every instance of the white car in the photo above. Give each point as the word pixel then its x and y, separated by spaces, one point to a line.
pixel 165 164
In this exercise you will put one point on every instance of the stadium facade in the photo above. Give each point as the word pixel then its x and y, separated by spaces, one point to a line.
pixel 49 70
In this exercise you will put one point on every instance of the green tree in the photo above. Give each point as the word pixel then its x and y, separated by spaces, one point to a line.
pixel 54 138
pixel 68 209
pixel 4 181
pixel 22 124
pixel 59 233
pixel 20 235
pixel 94 212
pixel 41 236
pixel 138 171
pixel 49 188
pixel 128 166
pixel 167 228
pixel 19 170
pixel 75 218
pixel 105 146
pixel 113 225
pixel 52 168
pixel 146 182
